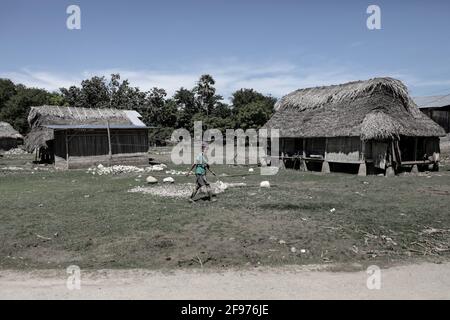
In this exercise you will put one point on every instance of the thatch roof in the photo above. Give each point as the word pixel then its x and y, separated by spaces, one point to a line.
pixel 54 115
pixel 41 119
pixel 380 108
pixel 7 131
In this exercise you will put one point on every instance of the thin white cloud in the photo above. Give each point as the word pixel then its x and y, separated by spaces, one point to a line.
pixel 41 79
pixel 276 79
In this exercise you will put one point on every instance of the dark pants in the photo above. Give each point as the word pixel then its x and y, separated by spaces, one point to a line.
pixel 202 182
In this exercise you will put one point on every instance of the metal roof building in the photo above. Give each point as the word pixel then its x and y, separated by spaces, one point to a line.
pixel 437 108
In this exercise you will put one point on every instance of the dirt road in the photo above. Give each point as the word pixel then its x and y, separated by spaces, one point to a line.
pixel 428 281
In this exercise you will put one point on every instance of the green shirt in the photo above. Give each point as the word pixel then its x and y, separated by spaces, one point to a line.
pixel 201 161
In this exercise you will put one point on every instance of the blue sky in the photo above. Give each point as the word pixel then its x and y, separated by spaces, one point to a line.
pixel 272 46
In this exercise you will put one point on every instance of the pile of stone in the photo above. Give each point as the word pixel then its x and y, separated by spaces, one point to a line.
pixel 182 190
pixel 15 152
pixel 167 190
pixel 176 172
pixel 121 169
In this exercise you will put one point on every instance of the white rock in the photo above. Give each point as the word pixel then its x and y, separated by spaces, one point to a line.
pixel 264 184
pixel 282 242
pixel 176 172
pixel 16 151
pixel 250 170
pixel 169 180
pixel 332 210
pixel 156 167
pixel 293 250
pixel 151 180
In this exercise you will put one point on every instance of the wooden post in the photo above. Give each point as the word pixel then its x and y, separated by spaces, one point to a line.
pixel 303 166
pixel 415 149
pixel 363 151
pixel 282 165
pixel 67 149
pixel 109 143
pixel 304 148
pixel 362 172
pixel 390 171
pixel 325 167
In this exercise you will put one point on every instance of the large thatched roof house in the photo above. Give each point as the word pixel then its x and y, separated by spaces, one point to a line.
pixel 9 137
pixel 80 137
pixel 371 122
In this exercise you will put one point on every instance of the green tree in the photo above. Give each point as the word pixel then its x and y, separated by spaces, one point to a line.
pixel 72 96
pixel 251 109
pixel 16 109
pixel 7 90
pixel 186 107
pixel 57 99
pixel 205 94
pixel 214 122
pixel 97 93
pixel 222 110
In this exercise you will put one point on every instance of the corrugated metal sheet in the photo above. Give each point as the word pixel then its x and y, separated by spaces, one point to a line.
pixel 134 118
pixel 432 101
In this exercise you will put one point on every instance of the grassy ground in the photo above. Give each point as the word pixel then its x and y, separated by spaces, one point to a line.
pixel 53 219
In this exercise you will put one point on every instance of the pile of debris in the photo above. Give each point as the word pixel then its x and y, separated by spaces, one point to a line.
pixel 120 169
pixel 183 190
pixel 15 152
pixel 167 190
pixel 12 168
pixel 176 172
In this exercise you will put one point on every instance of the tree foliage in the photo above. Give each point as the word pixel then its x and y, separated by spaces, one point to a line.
pixel 16 100
pixel 248 108
pixel 251 109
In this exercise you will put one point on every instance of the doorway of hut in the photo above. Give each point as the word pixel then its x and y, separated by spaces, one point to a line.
pixel 412 148
pixel 46 155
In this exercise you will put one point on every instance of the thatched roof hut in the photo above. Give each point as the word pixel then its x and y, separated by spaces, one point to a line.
pixel 8 132
pixel 9 137
pixel 379 108
pixel 43 120
pixel 81 137
pixel 341 122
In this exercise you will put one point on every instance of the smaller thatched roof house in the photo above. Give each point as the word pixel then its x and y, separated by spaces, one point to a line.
pixel 80 137
pixel 9 137
pixel 373 121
